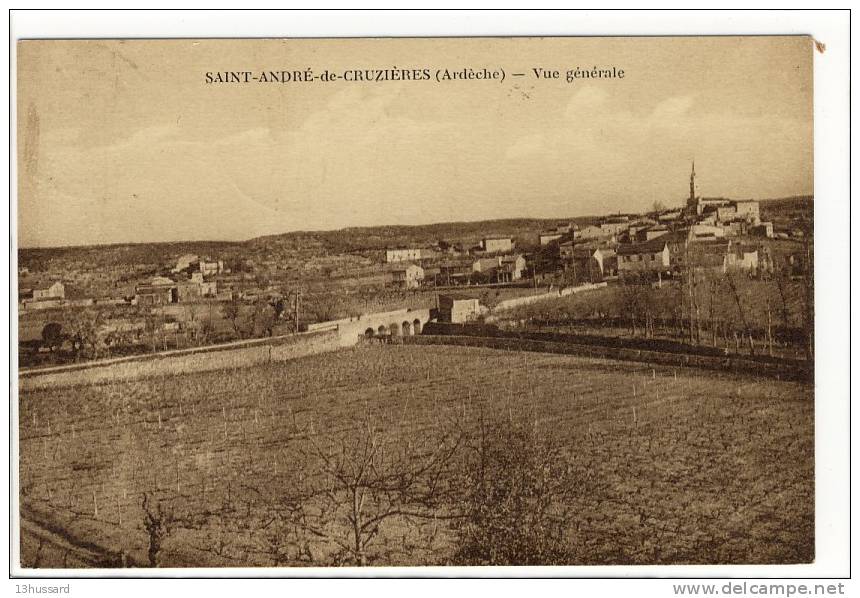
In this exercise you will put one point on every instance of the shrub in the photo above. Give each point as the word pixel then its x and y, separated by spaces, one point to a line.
pixel 515 509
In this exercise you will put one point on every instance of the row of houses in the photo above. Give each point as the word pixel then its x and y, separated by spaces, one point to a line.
pixel 489 269
pixel 192 263
pixel 673 253
pixel 704 234
pixel 558 233
pixel 162 290
pixel 191 279
pixel 486 246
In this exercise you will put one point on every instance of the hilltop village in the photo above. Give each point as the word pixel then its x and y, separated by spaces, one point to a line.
pixel 84 305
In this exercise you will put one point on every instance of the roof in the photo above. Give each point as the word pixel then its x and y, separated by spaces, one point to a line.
pixel 402 267
pixel 653 246
pixel 456 264
pixel 511 258
pixel 148 288
pixel 716 246
pixel 161 281
pixel 46 285
pixel 187 258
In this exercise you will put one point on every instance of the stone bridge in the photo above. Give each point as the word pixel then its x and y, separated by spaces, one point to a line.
pixel 401 322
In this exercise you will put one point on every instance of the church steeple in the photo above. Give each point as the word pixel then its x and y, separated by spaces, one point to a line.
pixel 692 200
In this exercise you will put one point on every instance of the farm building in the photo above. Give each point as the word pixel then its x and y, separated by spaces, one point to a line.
pixel 455 272
pixel 545 238
pixel 187 290
pixel 638 225
pixel 458 308
pixel 185 262
pixel 651 232
pixel 606 231
pixel 765 229
pixel 548 236
pixel 747 210
pixel 159 291
pixel 486 264
pixel 652 256
pixel 211 268
pixel 705 232
pixel 741 258
pixel 513 267
pixel 402 255
pixel 49 290
pixel 497 244
pixel 614 226
pixel 589 262
pixel 718 255
pixel 407 276
pixel 506 268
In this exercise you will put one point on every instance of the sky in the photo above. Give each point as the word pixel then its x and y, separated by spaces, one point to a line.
pixel 125 141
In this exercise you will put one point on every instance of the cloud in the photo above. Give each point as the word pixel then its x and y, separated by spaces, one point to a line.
pixel 525 146
pixel 367 157
pixel 671 108
pixel 586 102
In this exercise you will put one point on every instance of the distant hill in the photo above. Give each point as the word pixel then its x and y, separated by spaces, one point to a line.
pixel 287 245
pixel 789 213
pixel 374 238
pixel 784 212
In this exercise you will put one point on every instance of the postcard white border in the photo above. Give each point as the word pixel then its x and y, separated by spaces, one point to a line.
pixel 832 235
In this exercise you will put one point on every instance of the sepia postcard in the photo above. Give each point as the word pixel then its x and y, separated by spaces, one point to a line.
pixel 408 302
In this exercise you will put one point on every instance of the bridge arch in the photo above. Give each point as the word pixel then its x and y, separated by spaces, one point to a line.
pixel 406 328
pixel 416 326
pixel 382 330
pixel 369 333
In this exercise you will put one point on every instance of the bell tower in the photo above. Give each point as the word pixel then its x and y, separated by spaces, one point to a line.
pixel 691 202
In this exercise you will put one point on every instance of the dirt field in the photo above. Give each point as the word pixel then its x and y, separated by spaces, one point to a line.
pixel 673 465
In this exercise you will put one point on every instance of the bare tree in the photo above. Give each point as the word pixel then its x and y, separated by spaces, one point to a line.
pixel 733 285
pixel 158 522
pixel 781 280
pixel 153 328
pixel 363 478
pixel 631 300
pixel 262 319
pixel 324 306
pixel 232 311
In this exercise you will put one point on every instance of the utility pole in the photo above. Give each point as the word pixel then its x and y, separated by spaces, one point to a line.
pixel 296 308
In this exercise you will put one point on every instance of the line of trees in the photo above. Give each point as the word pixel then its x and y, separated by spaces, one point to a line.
pixel 379 493
pixel 703 306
